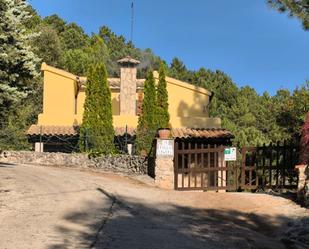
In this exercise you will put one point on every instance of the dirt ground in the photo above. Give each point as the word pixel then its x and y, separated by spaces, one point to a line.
pixel 49 207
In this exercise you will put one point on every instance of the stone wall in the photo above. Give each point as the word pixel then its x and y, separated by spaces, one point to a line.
pixel 117 163
pixel 303 184
pixel 128 91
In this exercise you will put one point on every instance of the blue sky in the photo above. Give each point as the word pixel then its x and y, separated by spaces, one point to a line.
pixel 254 44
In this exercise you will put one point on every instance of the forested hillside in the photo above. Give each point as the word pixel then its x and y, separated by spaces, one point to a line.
pixel 253 118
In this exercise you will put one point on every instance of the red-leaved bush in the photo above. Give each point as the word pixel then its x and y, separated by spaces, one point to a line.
pixel 304 142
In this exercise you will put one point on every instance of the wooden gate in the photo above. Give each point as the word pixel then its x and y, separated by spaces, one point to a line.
pixel 200 166
pixel 270 166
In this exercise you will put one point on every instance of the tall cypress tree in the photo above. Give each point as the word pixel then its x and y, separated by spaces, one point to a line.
pixel 147 122
pixel 97 132
pixel 163 116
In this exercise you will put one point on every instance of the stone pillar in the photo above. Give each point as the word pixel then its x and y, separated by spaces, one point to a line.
pixel 130 147
pixel 303 184
pixel 128 86
pixel 164 164
pixel 38 147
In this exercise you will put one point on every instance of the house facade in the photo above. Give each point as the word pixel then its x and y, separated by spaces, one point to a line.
pixel 64 97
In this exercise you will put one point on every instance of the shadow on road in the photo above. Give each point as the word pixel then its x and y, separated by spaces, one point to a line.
pixel 6 165
pixel 132 224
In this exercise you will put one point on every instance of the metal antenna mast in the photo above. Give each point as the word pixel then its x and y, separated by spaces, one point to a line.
pixel 132 21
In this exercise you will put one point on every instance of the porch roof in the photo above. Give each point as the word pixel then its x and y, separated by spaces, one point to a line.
pixel 53 130
pixel 201 133
pixel 58 130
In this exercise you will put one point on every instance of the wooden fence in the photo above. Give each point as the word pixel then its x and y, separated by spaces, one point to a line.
pixel 269 166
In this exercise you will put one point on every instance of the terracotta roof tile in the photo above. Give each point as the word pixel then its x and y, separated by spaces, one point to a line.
pixel 201 133
pixel 128 59
pixel 122 130
pixel 50 130
pixel 176 132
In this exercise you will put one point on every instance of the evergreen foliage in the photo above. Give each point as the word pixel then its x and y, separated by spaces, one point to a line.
pixel 47 45
pixel 17 61
pixel 56 22
pixel 252 118
pixel 162 116
pixel 77 60
pixel 118 48
pixel 74 37
pixel 147 121
pixel 97 132
pixel 18 71
pixel 297 8
pixel 178 70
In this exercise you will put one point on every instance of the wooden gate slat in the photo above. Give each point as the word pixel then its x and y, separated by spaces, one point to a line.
pixel 182 167
pixel 189 165
pixel 271 164
pixel 202 165
pixel 284 163
pixel 196 165
pixel 215 165
pixel 208 168
pixel 176 166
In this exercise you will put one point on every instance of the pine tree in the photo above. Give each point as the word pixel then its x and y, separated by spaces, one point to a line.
pixel 163 116
pixel 17 61
pixel 97 132
pixel 47 45
pixel 147 123
pixel 297 8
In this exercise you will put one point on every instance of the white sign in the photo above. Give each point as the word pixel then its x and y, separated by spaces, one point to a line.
pixel 165 148
pixel 230 154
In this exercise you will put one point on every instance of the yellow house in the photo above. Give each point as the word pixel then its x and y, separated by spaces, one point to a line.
pixel 64 96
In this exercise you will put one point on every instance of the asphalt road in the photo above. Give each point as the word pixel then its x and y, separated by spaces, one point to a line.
pixel 49 207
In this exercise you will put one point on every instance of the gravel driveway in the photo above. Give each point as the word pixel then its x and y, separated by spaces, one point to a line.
pixel 49 207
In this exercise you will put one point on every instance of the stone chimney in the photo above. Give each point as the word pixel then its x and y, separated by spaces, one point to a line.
pixel 128 85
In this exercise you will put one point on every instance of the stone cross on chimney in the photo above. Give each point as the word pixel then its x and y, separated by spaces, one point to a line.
pixel 128 85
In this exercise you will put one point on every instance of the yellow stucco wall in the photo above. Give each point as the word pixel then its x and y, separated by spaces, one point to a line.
pixel 81 100
pixel 63 106
pixel 184 102
pixel 115 102
pixel 58 98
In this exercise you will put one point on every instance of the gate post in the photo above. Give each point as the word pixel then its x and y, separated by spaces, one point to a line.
pixel 221 173
pixel 303 184
pixel 164 164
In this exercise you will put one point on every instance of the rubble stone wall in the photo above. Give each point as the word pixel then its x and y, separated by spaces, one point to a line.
pixel 115 163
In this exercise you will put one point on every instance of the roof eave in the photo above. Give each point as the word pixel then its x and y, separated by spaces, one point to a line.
pixel 183 84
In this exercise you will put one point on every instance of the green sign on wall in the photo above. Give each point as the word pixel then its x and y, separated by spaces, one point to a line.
pixel 230 154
